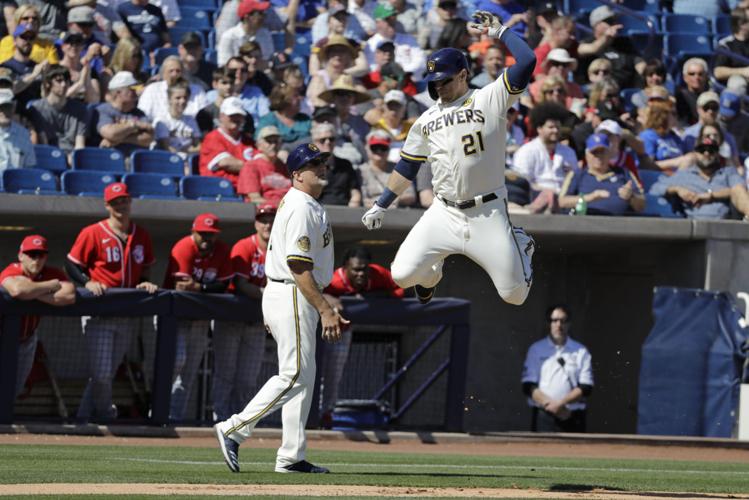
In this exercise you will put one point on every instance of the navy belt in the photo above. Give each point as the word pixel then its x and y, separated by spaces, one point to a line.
pixel 288 282
pixel 463 205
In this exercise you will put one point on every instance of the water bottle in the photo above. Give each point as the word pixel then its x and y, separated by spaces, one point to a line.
pixel 581 208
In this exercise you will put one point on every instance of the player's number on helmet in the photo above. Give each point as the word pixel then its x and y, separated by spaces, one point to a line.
pixel 472 143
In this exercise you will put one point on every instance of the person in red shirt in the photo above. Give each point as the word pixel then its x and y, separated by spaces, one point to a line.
pixel 238 347
pixel 112 253
pixel 31 279
pixel 200 263
pixel 265 179
pixel 359 278
pixel 225 150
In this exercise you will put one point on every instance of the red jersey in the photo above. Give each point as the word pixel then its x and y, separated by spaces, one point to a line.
pixel 248 260
pixel 216 146
pixel 379 279
pixel 30 322
pixel 262 176
pixel 185 261
pixel 108 259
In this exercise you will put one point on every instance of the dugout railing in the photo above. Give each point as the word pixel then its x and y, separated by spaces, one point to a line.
pixel 169 306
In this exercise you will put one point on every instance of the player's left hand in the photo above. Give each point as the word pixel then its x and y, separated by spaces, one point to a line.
pixel 486 24
pixel 374 216
pixel 332 325
pixel 147 286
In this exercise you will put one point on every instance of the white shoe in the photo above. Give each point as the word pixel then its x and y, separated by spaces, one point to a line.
pixel 527 246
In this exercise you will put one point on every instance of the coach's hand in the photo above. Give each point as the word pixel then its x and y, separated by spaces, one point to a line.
pixel 96 288
pixel 374 216
pixel 148 286
pixel 332 325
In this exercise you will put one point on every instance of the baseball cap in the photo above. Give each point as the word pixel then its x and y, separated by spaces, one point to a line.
pixel 115 190
pixel 386 46
pixel 395 96
pixel 23 28
pixel 560 55
pixel 34 243
pixel 730 104
pixel 82 14
pixel 707 144
pixel 6 96
pixel 265 209
pixel 302 155
pixel 121 80
pixel 232 106
pixel 268 131
pixel 609 126
pixel 73 38
pixel 706 97
pixel 597 141
pixel 392 70
pixel 206 223
pixel 323 111
pixel 601 14
pixel 383 11
pixel 379 140
pixel 249 6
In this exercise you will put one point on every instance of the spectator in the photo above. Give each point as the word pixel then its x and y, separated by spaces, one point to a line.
pixel 252 97
pixel 708 106
pixel 392 77
pixel 493 63
pixel 655 74
pixel 286 117
pixel 223 87
pixel 627 150
pixel 363 10
pixel 352 129
pixel 59 121
pixel 170 9
pixel 375 172
pixel 394 122
pixel 264 179
pixel 121 124
pixel 436 20
pixel 31 279
pixel 512 13
pixel 145 22
pixel 554 90
pixel 85 88
pixel 357 65
pixel 561 35
pixel 358 277
pixel 407 51
pixel 196 69
pixel 544 162
pixel 154 101
pixel 558 63
pixel 250 27
pixel 336 20
pixel 81 22
pixel 285 71
pixel 337 56
pixel 40 49
pixel 604 189
pixel 239 346
pixel 52 17
pixel 198 263
pixel 253 57
pixel 384 54
pixel 695 74
pixel 704 189
pixel 455 34
pixel 515 135
pixel 558 377
pixel 178 132
pixel 16 149
pixel 114 252
pixel 127 56
pixel 228 18
pixel 734 120
pixel 724 66
pixel 26 73
pixel 343 186
pixel 662 143
pixel 408 16
pixel 598 70
pixel 107 21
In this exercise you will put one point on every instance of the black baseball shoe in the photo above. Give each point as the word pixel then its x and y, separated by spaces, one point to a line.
pixel 229 448
pixel 304 467
pixel 424 294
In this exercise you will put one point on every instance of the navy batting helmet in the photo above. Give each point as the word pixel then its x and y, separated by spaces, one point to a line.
pixel 442 64
pixel 302 155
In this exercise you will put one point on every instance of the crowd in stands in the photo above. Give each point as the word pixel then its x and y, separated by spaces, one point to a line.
pixel 232 87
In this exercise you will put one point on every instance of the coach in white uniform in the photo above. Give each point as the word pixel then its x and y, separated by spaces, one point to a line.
pixel 299 265
pixel 463 136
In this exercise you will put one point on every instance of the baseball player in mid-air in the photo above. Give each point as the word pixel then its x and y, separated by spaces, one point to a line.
pixel 298 265
pixel 463 137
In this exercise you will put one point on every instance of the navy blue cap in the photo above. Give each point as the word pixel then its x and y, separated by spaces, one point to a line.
pixel 730 104
pixel 302 155
pixel 597 141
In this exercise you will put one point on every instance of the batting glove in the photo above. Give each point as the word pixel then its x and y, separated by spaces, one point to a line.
pixel 488 23
pixel 374 216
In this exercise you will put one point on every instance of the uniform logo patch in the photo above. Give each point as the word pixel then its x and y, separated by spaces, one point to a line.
pixel 138 254
pixel 467 102
pixel 431 66
pixel 303 243
pixel 313 147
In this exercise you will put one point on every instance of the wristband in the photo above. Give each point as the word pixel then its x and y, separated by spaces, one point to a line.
pixel 497 32
pixel 386 198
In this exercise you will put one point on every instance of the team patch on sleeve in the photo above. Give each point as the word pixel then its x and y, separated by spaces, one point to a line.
pixel 508 85
pixel 303 244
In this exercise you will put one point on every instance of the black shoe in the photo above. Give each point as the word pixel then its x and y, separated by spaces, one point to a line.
pixel 303 466
pixel 424 294
pixel 230 450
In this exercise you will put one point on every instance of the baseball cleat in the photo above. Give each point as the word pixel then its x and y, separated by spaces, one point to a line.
pixel 304 467
pixel 424 294
pixel 229 448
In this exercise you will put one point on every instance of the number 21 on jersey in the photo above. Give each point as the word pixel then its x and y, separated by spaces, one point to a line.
pixel 472 143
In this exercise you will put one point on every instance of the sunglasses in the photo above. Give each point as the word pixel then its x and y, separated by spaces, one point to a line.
pixel 326 139
pixel 33 18
pixel 707 150
pixel 555 91
pixel 711 107
pixel 696 73
pixel 60 79
pixel 29 38
pixel 557 64
pixel 558 320
pixel 601 72
pixel 36 254
pixel 380 150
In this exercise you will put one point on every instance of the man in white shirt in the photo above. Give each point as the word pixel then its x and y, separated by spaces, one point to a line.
pixel 251 27
pixel 407 51
pixel 154 101
pixel 16 150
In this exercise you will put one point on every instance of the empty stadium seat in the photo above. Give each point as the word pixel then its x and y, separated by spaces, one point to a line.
pixel 681 45
pixel 649 6
pixel 199 4
pixel 580 7
pixel 658 206
pixel 279 40
pixel 100 159
pixel 195 19
pixel 163 52
pixel 650 177
pixel 648 45
pixel 197 187
pixel 50 158
pixel 632 24
pixel 151 186
pixel 722 25
pixel 86 182
pixel 29 181
pixel 211 56
pixel 302 45
pixel 157 162
pixel 684 23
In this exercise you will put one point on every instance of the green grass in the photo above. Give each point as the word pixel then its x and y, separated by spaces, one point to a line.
pixel 123 464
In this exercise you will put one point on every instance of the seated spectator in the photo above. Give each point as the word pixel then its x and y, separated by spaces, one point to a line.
pixel 375 172
pixel 145 22
pixel 283 70
pixel 223 87
pixel 250 27
pixel 560 35
pixel 16 149
pixel 31 279
pixel 558 63
pixel 598 70
pixel 384 54
pixel 352 129
pixel 715 134
pixel 264 179
pixel 59 121
pixel 554 90
pixel 40 49
pixel 408 16
pixel 121 124
pixel 455 34
pixel 228 18
pixel 96 48
pixel 336 57
pixel 394 122
pixel 357 67
pixel 661 142
pixel 695 74
pixel 336 20
pixel 344 187
pixel 735 121
pixel 170 9
pixel 51 16
pixel 492 64
pixel 655 74
pixel 513 14
pixel 407 51
pixel 363 10
pixel 85 88
pixel 254 101
pixel 195 68
pixel 708 107
pixel 252 56
pixel 604 189
pixel 544 161
pixel 178 132
pixel 27 74
pixel 154 101
pixel 724 66
pixel 627 150
pixel 704 189
pixel 515 135
pixel 106 20
pixel 285 116
pixel 225 150
pixel 127 56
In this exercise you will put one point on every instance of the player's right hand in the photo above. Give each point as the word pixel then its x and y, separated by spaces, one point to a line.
pixel 96 288
pixel 374 216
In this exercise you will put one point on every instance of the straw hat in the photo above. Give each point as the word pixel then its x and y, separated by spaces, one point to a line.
pixel 344 83
pixel 337 41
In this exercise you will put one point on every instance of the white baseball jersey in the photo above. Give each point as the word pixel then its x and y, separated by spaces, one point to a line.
pixel 464 141
pixel 301 232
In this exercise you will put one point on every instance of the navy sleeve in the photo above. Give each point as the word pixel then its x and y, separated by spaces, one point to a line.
pixel 519 74
pixel 408 168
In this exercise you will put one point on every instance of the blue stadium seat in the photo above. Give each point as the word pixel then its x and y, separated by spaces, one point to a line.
pixel 647 45
pixel 302 45
pixel 632 24
pixel 684 23
pixel 212 39
pixel 648 6
pixel 163 52
pixel 197 187
pixel 650 177
pixel 211 56
pixel 579 8
pixel 100 159
pixel 681 45
pixel 86 182
pixel 151 186
pixel 722 25
pixel 195 19
pixel 198 4
pixel 29 181
pixel 658 206
pixel 50 158
pixel 626 95
pixel 157 162
pixel 279 40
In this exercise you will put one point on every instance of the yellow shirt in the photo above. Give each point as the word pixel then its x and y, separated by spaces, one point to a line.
pixel 41 49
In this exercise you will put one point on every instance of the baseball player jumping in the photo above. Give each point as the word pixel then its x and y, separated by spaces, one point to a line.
pixel 463 137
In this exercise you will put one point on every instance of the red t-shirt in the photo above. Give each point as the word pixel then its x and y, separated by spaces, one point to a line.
pixel 108 259
pixel 379 279
pixel 185 261
pixel 262 176
pixel 30 322
pixel 217 146
pixel 248 260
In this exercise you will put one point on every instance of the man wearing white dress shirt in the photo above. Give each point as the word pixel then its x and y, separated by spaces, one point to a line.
pixel 251 27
